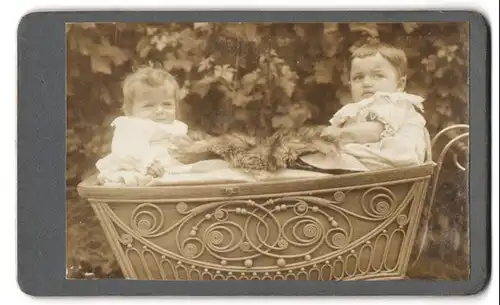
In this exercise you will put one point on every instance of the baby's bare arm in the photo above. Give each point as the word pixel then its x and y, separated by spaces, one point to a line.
pixel 364 132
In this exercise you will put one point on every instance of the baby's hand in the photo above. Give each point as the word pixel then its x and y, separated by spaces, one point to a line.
pixel 329 149
pixel 181 142
pixel 156 169
pixel 331 133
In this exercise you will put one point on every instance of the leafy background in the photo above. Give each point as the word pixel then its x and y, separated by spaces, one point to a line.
pixel 257 78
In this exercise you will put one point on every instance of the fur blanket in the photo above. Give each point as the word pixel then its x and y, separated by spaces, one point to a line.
pixel 278 151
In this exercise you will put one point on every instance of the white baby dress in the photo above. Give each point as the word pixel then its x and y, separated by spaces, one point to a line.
pixel 402 143
pixel 136 144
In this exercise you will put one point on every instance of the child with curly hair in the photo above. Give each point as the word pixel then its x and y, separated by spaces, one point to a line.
pixel 383 127
pixel 144 136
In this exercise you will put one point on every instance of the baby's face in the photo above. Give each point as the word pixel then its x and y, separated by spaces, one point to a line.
pixel 155 103
pixel 371 74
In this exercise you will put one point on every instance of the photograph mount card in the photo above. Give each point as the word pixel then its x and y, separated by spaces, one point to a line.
pixel 331 150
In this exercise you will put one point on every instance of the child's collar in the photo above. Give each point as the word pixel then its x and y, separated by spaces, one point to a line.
pixel 415 100
pixel 177 127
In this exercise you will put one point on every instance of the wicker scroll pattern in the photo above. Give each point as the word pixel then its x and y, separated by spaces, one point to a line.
pixel 345 234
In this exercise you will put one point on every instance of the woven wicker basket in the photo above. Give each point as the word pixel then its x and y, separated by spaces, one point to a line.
pixel 346 227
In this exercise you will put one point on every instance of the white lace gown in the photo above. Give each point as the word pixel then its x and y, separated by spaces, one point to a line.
pixel 402 143
pixel 136 144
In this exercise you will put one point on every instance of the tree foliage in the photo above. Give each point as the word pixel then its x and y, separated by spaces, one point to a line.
pixel 252 78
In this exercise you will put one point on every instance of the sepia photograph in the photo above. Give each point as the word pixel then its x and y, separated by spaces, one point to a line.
pixel 267 151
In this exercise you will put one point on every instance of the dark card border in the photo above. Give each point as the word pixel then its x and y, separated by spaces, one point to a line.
pixel 42 159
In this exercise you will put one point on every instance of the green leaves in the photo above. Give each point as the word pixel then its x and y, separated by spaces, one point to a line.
pixel 409 27
pixel 202 86
pixel 249 80
pixel 165 39
pixel 101 64
pixel 143 47
pixel 443 108
pixel 181 64
pixel 225 72
pixel 330 28
pixel 240 99
pixel 331 43
pixel 295 116
pixel 85 25
pixel 299 30
pixel 265 75
pixel 430 63
pixel 447 52
pixel 287 85
pixel 282 122
pixel 103 55
pixel 287 80
pixel 85 45
pixel 206 64
pixel 367 28
pixel 116 54
pixel 243 31
pixel 204 27
pixel 323 72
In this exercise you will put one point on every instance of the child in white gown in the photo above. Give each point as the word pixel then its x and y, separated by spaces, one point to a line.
pixel 384 127
pixel 142 138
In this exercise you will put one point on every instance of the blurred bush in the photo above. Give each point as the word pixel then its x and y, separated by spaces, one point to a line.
pixel 247 77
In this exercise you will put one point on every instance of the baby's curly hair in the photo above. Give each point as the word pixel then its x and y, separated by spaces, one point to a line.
pixel 147 76
pixel 396 56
